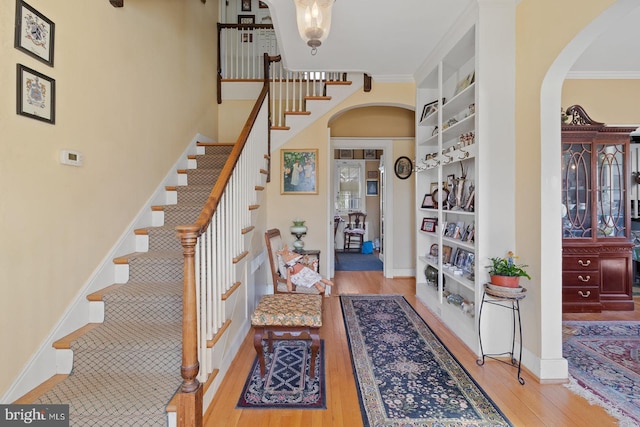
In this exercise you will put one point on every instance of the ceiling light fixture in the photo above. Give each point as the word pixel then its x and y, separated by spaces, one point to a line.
pixel 314 21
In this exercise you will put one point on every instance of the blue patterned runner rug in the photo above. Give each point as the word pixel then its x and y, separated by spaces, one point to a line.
pixel 286 383
pixel 404 374
pixel 604 365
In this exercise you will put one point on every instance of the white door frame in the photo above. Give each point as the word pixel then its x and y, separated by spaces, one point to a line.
pixel 386 145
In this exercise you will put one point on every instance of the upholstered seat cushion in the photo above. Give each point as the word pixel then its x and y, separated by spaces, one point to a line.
pixel 354 231
pixel 288 310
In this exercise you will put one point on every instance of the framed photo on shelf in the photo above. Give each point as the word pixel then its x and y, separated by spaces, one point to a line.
pixel 36 95
pixel 35 33
pixel 450 230
pixel 460 258
pixel 299 169
pixel 433 251
pixel 467 81
pixel 446 254
pixel 427 202
pixel 372 187
pixel 429 224
pixel 372 174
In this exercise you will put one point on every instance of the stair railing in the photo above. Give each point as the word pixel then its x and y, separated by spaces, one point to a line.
pixel 211 248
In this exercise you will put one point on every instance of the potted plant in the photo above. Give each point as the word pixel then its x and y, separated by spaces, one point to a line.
pixel 505 272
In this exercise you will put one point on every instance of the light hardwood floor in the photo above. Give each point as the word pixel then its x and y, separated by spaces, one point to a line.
pixel 532 404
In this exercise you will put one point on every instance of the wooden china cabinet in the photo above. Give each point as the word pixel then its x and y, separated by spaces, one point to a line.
pixel 596 245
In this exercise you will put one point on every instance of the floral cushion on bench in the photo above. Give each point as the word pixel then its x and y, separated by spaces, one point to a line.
pixel 288 310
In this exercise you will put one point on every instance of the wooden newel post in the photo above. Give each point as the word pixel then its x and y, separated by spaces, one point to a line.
pixel 190 399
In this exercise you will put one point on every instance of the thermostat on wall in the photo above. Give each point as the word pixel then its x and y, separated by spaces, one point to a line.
pixel 71 157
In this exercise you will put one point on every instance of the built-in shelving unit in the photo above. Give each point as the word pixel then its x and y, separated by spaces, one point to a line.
pixel 446 178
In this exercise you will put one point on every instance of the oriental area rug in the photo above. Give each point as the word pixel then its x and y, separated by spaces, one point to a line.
pixel 286 383
pixel 604 365
pixel 405 376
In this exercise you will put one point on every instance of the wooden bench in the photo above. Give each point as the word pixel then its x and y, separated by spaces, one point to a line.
pixel 292 315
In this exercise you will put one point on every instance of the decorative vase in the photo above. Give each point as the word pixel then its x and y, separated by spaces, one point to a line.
pixel 506 281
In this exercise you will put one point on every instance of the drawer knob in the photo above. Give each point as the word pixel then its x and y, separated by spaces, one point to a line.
pixel 586 263
pixel 584 279
pixel 583 294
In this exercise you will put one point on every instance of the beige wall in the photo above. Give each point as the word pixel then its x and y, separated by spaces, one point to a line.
pixel 282 209
pixel 544 28
pixel 134 86
pixel 607 101
pixel 381 121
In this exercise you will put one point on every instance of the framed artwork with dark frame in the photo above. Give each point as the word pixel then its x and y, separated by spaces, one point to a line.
pixel 35 95
pixel 346 154
pixel 299 171
pixel 246 19
pixel 35 33
pixel 246 5
pixel 428 109
pixel 369 154
pixel 372 187
pixel 403 167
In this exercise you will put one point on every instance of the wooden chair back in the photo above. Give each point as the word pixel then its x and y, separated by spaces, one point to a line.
pixel 273 240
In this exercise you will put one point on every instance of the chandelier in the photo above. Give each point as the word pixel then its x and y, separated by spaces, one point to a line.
pixel 314 21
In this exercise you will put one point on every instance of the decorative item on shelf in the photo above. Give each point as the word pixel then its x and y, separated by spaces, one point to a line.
pixel 431 274
pixel 298 229
pixel 468 308
pixel 564 118
pixel 505 272
pixel 456 195
pixel 466 139
pixel 472 108
pixel 314 21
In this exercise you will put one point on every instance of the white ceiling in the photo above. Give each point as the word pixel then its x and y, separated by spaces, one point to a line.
pixel 390 40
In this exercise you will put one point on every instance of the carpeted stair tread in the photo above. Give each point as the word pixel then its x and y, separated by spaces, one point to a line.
pixel 202 176
pixel 218 149
pixel 211 161
pixel 181 214
pixel 148 292
pixel 134 404
pixel 193 193
pixel 161 266
pixel 164 238
pixel 125 335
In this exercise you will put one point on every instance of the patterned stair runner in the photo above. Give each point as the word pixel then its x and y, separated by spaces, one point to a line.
pixel 126 371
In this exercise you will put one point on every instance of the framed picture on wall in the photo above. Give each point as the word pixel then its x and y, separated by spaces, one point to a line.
pixel 298 173
pixel 246 5
pixel 34 33
pixel 246 19
pixel 372 187
pixel 369 154
pixel 36 95
pixel 346 154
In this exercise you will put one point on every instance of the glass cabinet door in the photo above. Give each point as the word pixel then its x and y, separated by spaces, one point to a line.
pixel 576 191
pixel 610 213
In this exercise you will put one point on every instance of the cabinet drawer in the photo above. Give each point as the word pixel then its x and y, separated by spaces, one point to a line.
pixel 588 262
pixel 580 294
pixel 581 278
